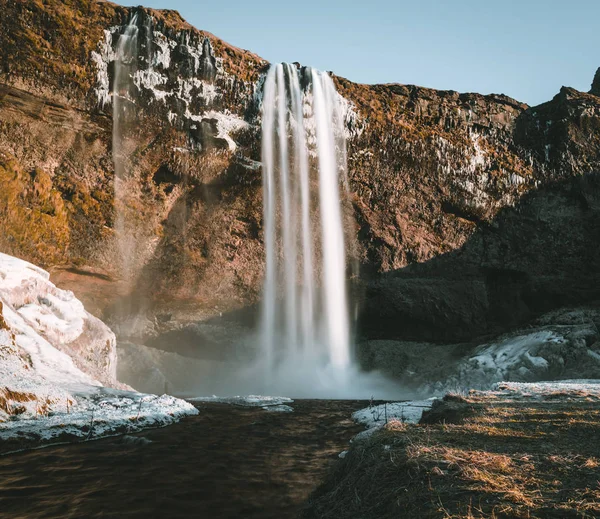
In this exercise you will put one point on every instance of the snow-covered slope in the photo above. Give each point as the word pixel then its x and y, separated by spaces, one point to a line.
pixel 45 319
pixel 55 359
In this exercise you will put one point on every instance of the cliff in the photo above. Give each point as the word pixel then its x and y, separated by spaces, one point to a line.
pixel 472 213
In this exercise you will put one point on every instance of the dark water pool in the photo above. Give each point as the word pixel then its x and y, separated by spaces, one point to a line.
pixel 227 462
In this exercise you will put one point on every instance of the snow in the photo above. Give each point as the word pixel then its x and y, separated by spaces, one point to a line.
pixel 226 124
pixel 245 401
pixel 100 412
pixel 36 313
pixel 278 408
pixel 375 417
pixel 407 412
pixel 44 391
pixel 567 389
pixel 498 360
pixel 366 434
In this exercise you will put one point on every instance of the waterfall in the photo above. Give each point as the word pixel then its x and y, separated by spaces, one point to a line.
pixel 125 65
pixel 305 301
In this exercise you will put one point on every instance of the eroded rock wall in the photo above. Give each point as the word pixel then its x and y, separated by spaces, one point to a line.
pixel 472 213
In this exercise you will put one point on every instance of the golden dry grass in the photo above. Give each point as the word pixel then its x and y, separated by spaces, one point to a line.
pixel 9 398
pixel 507 459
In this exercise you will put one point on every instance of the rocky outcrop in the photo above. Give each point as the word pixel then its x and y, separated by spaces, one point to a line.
pixel 44 317
pixel 472 213
pixel 539 255
pixel 596 84
pixel 58 369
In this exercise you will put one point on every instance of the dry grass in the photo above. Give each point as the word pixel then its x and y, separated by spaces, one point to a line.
pixel 9 400
pixel 508 459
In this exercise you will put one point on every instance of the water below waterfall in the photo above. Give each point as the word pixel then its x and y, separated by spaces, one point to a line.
pixel 305 307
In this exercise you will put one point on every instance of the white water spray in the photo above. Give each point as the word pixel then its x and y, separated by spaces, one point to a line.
pixel 305 308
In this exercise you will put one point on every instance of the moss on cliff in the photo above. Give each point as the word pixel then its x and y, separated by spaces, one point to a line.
pixel 34 217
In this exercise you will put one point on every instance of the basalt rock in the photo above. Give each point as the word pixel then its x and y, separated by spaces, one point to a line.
pixel 596 84
pixel 472 213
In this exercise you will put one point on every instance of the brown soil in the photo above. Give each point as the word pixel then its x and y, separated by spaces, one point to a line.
pixel 227 462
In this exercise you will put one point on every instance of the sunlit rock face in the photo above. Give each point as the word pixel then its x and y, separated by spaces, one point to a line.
pixel 431 174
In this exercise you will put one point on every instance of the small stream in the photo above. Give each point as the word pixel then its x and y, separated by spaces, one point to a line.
pixel 227 462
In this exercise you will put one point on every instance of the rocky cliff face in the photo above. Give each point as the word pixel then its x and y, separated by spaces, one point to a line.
pixel 473 213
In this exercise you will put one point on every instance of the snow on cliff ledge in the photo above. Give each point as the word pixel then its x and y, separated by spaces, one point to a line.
pixel 55 359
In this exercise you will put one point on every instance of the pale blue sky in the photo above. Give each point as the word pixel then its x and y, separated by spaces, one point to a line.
pixel 526 49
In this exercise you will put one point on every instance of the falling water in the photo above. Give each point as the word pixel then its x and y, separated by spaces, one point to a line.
pixel 305 312
pixel 125 64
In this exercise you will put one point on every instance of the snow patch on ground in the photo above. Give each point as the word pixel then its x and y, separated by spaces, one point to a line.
pixel 514 354
pixel 278 408
pixel 99 412
pixel 376 417
pixel 46 322
pixel 564 389
pixel 245 401
pixel 407 412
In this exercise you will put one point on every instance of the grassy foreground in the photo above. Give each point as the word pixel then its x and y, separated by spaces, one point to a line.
pixel 495 455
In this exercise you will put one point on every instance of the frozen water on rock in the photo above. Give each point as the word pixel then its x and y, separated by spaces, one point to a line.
pixel 151 74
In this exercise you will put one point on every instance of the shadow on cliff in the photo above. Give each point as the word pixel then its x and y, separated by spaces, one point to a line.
pixel 542 254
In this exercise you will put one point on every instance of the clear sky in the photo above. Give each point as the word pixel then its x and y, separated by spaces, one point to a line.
pixel 526 49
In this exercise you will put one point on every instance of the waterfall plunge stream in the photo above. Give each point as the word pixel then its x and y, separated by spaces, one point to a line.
pixel 306 321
